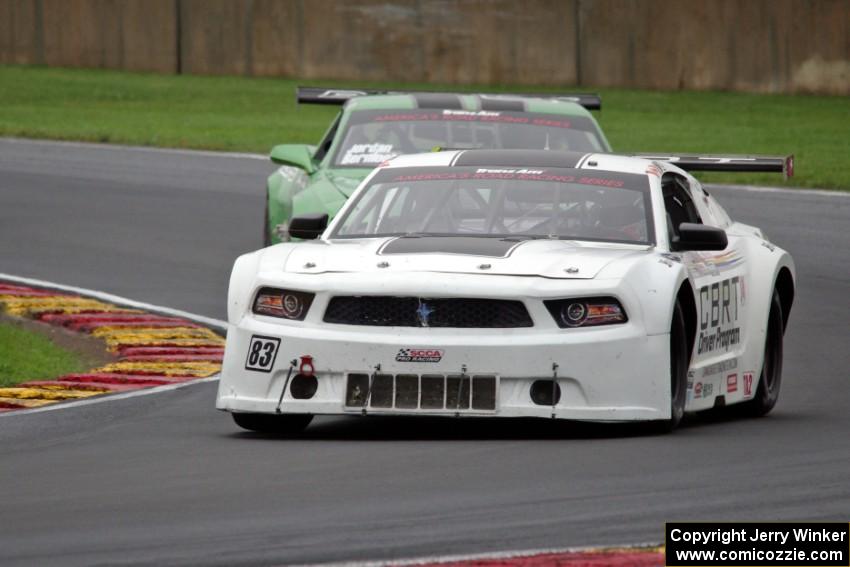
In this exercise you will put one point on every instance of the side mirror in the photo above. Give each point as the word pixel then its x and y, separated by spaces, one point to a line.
pixel 309 226
pixel 297 155
pixel 694 236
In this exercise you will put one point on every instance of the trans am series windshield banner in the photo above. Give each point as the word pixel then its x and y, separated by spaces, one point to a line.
pixel 487 116
pixel 578 177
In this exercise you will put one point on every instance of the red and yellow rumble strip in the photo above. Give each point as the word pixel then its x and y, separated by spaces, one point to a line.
pixel 152 350
pixel 618 557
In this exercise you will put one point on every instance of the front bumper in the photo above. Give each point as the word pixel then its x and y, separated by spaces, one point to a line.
pixel 616 373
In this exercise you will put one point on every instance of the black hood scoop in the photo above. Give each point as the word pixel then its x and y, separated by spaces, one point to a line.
pixel 467 245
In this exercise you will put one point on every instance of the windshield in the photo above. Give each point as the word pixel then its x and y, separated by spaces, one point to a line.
pixel 374 136
pixel 502 202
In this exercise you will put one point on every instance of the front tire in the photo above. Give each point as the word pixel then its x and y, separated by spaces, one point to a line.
pixel 767 392
pixel 282 425
pixel 679 362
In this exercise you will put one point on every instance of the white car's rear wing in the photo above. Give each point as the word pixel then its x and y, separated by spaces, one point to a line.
pixel 326 95
pixel 713 162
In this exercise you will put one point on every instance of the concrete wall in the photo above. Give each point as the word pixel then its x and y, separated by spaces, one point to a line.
pixel 749 45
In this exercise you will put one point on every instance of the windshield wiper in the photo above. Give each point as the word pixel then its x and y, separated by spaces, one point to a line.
pixel 522 237
pixel 421 234
pixel 509 238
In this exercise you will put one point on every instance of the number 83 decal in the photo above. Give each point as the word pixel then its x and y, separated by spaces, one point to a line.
pixel 261 353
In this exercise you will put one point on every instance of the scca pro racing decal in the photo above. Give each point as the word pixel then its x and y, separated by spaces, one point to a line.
pixel 718 324
pixel 419 355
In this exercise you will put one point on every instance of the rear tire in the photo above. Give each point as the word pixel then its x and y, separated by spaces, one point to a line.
pixel 770 380
pixel 282 425
pixel 679 362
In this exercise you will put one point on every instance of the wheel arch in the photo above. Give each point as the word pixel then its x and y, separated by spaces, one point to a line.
pixel 685 297
pixel 785 288
pixel 239 288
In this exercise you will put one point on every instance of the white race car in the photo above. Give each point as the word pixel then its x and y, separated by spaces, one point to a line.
pixel 508 283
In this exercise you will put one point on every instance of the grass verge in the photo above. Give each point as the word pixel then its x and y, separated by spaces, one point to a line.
pixel 29 355
pixel 253 114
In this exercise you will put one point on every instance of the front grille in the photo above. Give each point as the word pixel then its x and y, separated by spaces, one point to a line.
pixel 435 392
pixel 383 311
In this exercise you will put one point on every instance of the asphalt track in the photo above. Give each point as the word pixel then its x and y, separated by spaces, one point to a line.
pixel 166 479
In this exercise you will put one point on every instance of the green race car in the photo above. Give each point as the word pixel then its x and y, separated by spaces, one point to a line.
pixel 375 126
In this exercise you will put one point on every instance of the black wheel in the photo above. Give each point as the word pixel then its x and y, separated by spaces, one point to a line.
pixel 767 392
pixel 267 236
pixel 286 424
pixel 679 362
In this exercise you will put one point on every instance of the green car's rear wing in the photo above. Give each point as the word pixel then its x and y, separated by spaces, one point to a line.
pixel 323 95
pixel 731 162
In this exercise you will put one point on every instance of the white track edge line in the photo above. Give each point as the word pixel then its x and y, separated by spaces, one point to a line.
pixel 101 398
pixel 217 323
pixel 480 556
pixel 176 151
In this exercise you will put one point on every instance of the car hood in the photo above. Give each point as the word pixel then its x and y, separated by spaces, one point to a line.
pixel 562 259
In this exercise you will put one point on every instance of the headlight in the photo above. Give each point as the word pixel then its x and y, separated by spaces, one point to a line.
pixel 586 311
pixel 283 303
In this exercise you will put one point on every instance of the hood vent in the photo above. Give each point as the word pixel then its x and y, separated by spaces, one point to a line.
pixel 467 245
